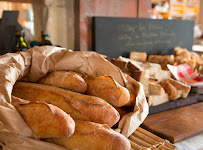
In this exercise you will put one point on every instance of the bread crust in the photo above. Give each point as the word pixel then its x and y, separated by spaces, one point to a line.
pixel 79 106
pixel 108 89
pixel 93 136
pixel 65 79
pixel 45 120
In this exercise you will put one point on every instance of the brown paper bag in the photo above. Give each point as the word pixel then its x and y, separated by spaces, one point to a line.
pixel 36 63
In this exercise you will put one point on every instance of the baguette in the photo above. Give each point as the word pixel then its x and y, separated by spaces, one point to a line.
pixel 64 79
pixel 108 89
pixel 93 136
pixel 132 100
pixel 45 120
pixel 79 106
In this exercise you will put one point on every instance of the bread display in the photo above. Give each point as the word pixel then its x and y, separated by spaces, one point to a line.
pixel 93 136
pixel 79 106
pixel 45 120
pixel 65 79
pixel 158 85
pixel 108 89
pixel 181 56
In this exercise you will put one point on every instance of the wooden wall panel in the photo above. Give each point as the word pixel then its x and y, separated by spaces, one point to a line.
pixel 144 8
pixel 201 14
pixel 90 8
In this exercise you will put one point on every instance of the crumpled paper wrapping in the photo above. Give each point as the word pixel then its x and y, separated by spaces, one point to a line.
pixel 36 63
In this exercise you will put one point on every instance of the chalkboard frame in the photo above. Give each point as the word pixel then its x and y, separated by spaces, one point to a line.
pixel 182 31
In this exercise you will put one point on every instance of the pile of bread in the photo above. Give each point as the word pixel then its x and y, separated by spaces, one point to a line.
pixel 158 85
pixel 181 56
pixel 72 110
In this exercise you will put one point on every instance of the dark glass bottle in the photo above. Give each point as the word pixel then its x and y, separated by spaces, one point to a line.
pixel 45 38
pixel 20 44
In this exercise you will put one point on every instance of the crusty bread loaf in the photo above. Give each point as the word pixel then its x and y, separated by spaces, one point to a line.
pixel 108 89
pixel 45 120
pixel 132 100
pixel 93 136
pixel 65 79
pixel 79 106
pixel 138 56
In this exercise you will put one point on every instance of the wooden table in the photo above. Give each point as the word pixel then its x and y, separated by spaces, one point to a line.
pixel 177 124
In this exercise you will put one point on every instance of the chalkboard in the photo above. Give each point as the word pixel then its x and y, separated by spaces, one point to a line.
pixel 116 37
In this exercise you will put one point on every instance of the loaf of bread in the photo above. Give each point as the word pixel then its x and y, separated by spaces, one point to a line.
pixel 132 100
pixel 79 106
pixel 65 79
pixel 108 89
pixel 45 120
pixel 93 136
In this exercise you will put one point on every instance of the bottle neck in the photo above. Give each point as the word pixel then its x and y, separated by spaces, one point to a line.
pixel 45 37
pixel 21 39
pixel 20 44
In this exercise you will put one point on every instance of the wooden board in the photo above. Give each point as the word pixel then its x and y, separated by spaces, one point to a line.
pixel 191 99
pixel 177 124
pixel 115 36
